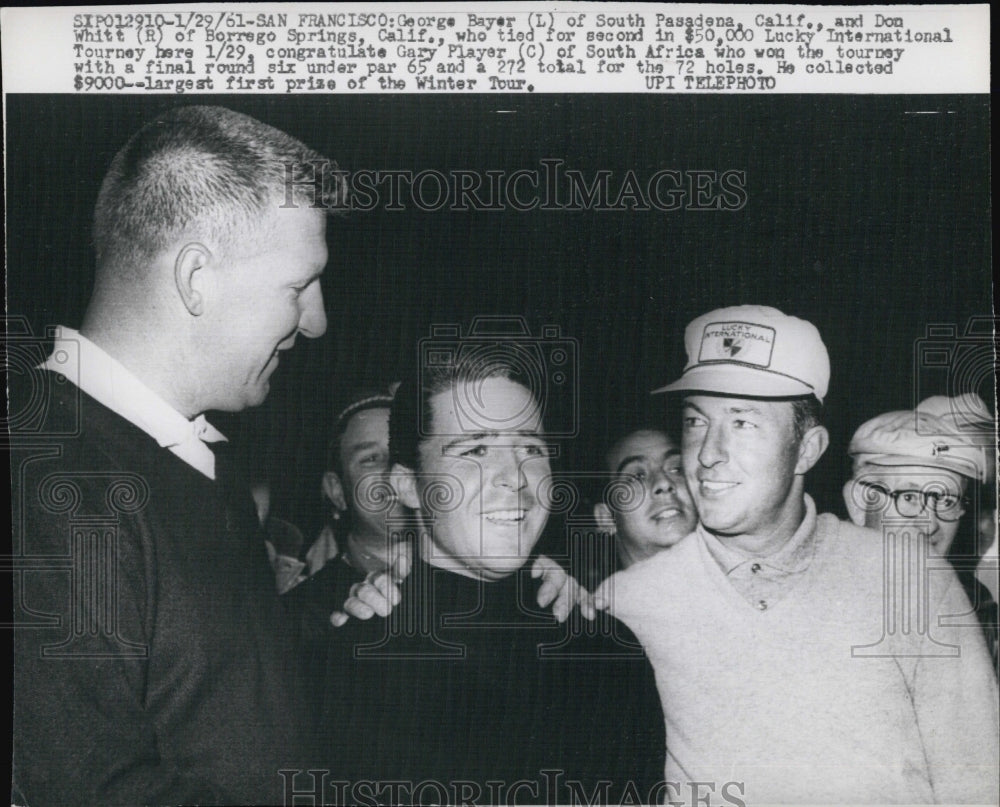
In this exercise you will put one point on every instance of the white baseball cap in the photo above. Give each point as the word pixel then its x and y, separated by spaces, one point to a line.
pixel 753 351
pixel 957 434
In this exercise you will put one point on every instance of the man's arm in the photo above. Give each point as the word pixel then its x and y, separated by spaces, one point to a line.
pixel 955 699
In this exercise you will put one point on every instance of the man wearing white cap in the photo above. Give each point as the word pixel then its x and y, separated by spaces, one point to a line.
pixel 785 672
pixel 914 468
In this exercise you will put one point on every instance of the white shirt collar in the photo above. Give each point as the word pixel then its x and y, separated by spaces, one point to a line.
pixel 109 382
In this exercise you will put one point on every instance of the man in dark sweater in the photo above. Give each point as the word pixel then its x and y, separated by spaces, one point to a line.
pixel 157 669
pixel 469 692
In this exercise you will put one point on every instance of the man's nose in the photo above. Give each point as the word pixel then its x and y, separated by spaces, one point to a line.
pixel 713 449
pixel 508 471
pixel 663 482
pixel 312 319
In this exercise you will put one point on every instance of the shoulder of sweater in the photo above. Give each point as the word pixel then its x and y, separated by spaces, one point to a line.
pixel 650 577
pixel 864 552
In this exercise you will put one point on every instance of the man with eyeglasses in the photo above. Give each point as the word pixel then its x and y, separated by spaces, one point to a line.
pixel 916 468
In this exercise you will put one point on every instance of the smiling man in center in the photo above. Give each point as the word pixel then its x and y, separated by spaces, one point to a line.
pixel 469 692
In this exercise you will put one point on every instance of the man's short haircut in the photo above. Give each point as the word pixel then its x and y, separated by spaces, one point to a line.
pixel 203 169
pixel 410 418
pixel 806 414
pixel 358 400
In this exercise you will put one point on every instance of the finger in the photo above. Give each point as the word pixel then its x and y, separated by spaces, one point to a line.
pixel 600 602
pixel 540 566
pixel 561 609
pixel 387 587
pixel 374 599
pixel 358 609
pixel 567 599
pixel 547 592
pixel 587 605
pixel 401 567
pixel 338 619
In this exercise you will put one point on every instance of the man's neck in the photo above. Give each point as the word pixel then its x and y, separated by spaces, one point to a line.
pixel 766 542
pixel 146 360
pixel 434 557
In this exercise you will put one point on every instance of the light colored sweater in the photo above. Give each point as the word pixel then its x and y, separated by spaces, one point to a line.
pixel 843 691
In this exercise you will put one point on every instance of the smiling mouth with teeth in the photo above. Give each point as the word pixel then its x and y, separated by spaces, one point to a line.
pixel 709 486
pixel 670 512
pixel 506 516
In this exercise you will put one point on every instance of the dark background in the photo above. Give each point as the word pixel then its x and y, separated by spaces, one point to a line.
pixel 864 217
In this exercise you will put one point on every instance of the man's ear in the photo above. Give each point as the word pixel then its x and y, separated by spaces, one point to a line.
pixel 605 521
pixel 404 482
pixel 854 509
pixel 333 489
pixel 811 448
pixel 188 277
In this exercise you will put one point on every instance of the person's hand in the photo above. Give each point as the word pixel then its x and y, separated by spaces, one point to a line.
pixel 378 593
pixel 602 597
pixel 561 590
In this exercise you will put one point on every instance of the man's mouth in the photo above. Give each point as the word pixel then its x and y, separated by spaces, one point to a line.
pixel 711 487
pixel 505 516
pixel 667 513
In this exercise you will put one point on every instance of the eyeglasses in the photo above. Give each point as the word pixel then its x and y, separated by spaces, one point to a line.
pixel 910 503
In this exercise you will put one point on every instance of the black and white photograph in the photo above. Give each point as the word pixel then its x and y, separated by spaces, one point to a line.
pixel 522 447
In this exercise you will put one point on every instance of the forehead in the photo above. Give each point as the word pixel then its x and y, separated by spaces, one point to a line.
pixel 912 477
pixel 491 406
pixel 644 444
pixel 366 426
pixel 295 235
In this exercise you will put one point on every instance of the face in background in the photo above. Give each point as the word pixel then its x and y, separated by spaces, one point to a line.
pixel 258 298
pixel 478 490
pixel 742 459
pixel 363 485
pixel 870 505
pixel 660 511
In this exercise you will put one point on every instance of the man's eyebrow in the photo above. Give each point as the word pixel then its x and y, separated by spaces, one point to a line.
pixel 364 446
pixel 742 409
pixel 672 452
pixel 628 460
pixel 471 438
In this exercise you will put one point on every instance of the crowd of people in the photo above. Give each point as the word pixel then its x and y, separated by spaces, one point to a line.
pixel 737 647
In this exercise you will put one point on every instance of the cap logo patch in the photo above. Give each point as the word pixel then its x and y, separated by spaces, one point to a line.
pixel 731 346
pixel 744 342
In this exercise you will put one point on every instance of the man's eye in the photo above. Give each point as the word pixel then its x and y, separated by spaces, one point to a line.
pixel 945 501
pixel 909 497
pixel 639 475
pixel 532 450
pixel 676 470
pixel 692 422
pixel 744 424
pixel 475 451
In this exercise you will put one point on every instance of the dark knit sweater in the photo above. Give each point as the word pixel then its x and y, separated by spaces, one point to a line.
pixel 179 689
pixel 469 683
